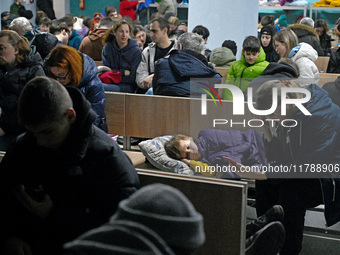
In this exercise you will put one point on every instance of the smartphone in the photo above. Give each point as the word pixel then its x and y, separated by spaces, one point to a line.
pixel 231 161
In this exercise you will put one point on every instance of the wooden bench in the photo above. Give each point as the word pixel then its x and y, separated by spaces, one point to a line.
pixel 223 71
pixel 327 77
pixel 322 64
pixel 221 202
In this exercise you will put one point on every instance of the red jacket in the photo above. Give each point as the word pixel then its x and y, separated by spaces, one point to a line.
pixel 127 8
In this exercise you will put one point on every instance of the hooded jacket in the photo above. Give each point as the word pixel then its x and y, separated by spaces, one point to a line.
pixel 316 140
pixel 305 58
pixel 222 57
pixel 74 40
pixel 308 35
pixel 245 147
pixel 11 84
pixel 85 178
pixel 92 44
pixel 271 54
pixel 274 71
pixel 127 58
pixel 92 87
pixel 333 89
pixel 174 74
pixel 241 73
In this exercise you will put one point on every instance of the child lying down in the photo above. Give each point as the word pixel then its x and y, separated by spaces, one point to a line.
pixel 206 153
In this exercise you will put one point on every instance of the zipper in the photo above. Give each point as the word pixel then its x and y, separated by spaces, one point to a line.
pixel 242 77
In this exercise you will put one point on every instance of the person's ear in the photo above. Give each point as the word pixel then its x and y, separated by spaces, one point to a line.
pixel 71 115
pixel 180 46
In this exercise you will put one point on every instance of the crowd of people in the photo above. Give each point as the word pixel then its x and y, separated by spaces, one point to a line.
pixel 72 176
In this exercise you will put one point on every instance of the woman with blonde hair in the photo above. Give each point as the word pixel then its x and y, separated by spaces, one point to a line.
pixel 72 68
pixel 19 63
pixel 122 55
pixel 304 55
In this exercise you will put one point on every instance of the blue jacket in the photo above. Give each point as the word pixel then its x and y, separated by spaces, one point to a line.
pixel 92 87
pixel 245 147
pixel 74 40
pixel 173 74
pixel 316 140
pixel 127 58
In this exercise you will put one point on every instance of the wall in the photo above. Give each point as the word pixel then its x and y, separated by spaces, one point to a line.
pixel 91 6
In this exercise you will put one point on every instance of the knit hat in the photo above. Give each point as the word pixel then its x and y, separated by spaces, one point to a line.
pixel 4 14
pixel 230 45
pixel 222 56
pixel 282 21
pixel 268 30
pixel 168 212
pixel 120 237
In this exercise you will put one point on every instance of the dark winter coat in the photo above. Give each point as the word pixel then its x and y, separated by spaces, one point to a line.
pixel 333 89
pixel 92 44
pixel 316 141
pixel 47 7
pixel 245 147
pixel 173 75
pixel 92 87
pixel 308 35
pixel 274 71
pixel 127 58
pixel 86 179
pixel 271 54
pixel 11 84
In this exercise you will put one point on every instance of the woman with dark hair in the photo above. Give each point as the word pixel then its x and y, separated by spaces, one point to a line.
pixel 266 37
pixel 18 64
pixel 72 68
pixel 321 27
pixel 122 55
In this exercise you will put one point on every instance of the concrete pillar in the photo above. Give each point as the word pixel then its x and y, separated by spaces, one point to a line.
pixel 61 7
pixel 225 19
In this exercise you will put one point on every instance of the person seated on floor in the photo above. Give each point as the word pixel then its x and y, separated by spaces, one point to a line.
pixel 63 176
pixel 160 219
pixel 206 150
pixel 173 73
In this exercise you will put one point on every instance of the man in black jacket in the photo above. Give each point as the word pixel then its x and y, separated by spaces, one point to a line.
pixel 62 177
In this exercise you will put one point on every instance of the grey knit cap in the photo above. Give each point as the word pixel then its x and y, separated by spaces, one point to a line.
pixel 168 212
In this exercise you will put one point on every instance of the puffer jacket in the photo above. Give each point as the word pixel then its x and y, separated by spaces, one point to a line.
pixel 92 87
pixel 305 58
pixel 245 147
pixel 184 74
pixel 308 35
pixel 11 83
pixel 333 89
pixel 127 58
pixel 241 73
pixel 222 57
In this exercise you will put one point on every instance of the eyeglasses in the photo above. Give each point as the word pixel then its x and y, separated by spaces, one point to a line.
pixel 62 77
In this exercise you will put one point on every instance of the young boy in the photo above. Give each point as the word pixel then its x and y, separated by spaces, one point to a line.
pixel 206 153
pixel 252 64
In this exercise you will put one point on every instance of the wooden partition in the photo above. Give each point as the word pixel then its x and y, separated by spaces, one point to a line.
pixel 223 71
pixel 115 112
pixel 322 64
pixel 327 77
pixel 221 202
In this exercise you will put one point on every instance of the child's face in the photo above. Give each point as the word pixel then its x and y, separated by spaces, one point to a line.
pixel 251 57
pixel 280 48
pixel 188 149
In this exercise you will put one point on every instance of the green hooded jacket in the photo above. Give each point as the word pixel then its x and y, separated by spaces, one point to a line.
pixel 241 73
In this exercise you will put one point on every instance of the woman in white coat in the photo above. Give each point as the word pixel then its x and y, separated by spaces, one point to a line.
pixel 287 46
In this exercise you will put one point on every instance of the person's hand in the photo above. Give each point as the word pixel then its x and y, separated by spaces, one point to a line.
pixel 41 209
pixel 147 82
pixel 141 1
pixel 186 161
pixel 127 72
pixel 16 246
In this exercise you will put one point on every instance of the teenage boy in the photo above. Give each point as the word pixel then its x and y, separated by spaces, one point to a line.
pixel 63 176
pixel 252 64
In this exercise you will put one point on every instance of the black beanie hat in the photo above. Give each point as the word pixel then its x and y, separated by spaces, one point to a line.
pixel 168 212
pixel 268 30
pixel 230 45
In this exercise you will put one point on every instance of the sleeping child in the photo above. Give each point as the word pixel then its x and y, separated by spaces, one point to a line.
pixel 206 153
